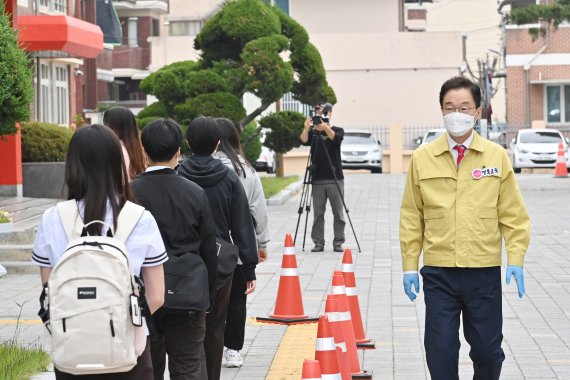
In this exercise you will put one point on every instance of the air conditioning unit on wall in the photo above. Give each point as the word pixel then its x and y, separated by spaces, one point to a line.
pixel 416 19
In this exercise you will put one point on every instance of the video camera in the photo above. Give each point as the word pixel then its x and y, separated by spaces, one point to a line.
pixel 325 109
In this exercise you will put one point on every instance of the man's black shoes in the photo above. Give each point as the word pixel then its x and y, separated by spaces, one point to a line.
pixel 338 248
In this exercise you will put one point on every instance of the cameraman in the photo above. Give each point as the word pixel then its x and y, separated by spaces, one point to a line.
pixel 322 138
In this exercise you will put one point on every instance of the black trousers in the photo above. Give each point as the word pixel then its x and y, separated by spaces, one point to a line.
pixel 180 334
pixel 215 324
pixel 142 371
pixel 474 293
pixel 234 333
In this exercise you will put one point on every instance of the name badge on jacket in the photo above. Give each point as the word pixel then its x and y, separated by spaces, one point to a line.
pixel 484 172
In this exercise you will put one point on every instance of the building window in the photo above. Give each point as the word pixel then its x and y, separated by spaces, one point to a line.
pixel 133 31
pixel 185 28
pixel 54 93
pixel 288 103
pixel 59 6
pixel 283 4
pixel 155 28
pixel 558 104
pixel 62 97
pixel 45 93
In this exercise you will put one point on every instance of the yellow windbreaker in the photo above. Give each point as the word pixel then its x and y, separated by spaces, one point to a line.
pixel 458 217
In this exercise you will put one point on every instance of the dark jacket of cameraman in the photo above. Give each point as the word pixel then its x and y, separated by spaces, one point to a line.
pixel 321 166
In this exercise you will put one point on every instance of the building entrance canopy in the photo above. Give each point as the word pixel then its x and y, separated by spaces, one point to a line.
pixel 74 36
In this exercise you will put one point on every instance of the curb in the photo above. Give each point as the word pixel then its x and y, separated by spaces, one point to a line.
pixel 285 194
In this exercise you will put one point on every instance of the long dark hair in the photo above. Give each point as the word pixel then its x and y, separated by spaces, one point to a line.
pixel 230 144
pixel 122 121
pixel 92 174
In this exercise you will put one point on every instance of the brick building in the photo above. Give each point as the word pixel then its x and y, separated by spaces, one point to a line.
pixel 130 60
pixel 59 36
pixel 538 77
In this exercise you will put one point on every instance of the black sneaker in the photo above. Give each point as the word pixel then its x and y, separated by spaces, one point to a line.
pixel 338 248
pixel 318 248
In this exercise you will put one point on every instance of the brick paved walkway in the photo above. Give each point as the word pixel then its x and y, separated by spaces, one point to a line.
pixel 536 328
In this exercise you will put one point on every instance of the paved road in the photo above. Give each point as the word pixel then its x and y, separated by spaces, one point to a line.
pixel 536 328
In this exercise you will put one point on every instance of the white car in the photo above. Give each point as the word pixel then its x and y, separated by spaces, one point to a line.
pixel 266 161
pixel 537 148
pixel 361 150
pixel 431 135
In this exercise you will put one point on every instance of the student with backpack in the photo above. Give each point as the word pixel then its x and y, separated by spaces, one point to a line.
pixel 234 228
pixel 230 153
pixel 89 250
pixel 183 214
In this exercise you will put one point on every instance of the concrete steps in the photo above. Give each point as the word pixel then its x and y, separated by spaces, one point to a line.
pixel 16 258
pixel 16 246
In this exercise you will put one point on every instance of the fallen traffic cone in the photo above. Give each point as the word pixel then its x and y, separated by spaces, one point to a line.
pixel 289 304
pixel 561 171
pixel 325 352
pixel 333 314
pixel 311 370
pixel 347 270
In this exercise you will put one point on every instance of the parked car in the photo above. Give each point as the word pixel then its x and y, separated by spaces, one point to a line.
pixel 537 148
pixel 266 161
pixel 361 150
pixel 431 135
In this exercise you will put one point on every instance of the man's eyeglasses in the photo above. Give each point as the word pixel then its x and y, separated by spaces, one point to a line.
pixel 464 109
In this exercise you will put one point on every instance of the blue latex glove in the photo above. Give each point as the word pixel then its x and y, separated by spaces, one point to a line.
pixel 518 272
pixel 409 280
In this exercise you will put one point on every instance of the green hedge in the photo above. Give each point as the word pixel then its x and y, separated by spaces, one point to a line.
pixel 42 142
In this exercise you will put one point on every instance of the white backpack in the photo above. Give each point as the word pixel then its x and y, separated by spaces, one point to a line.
pixel 90 291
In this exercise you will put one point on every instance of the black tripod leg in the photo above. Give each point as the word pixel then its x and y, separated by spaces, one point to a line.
pixel 308 210
pixel 303 200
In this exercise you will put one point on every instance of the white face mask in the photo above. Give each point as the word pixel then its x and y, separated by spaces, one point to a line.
pixel 458 123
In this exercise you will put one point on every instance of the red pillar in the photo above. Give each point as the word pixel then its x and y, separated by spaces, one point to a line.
pixel 11 7
pixel 10 146
pixel 11 165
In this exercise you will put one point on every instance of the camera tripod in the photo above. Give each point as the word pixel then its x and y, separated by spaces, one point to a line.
pixel 307 193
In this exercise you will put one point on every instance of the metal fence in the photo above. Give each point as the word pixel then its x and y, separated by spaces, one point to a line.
pixel 382 133
pixel 410 134
pixel 503 134
pixel 500 133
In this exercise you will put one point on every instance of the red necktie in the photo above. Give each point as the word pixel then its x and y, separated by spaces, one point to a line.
pixel 460 153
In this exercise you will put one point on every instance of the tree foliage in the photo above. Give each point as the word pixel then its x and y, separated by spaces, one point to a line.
pixel 552 14
pixel 283 130
pixel 217 104
pixel 16 87
pixel 250 142
pixel 249 46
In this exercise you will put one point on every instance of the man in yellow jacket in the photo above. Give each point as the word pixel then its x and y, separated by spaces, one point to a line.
pixel 461 199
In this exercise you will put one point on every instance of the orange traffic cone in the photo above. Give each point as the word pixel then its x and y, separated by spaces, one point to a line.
pixel 325 351
pixel 561 171
pixel 343 320
pixel 289 304
pixel 334 316
pixel 347 270
pixel 311 370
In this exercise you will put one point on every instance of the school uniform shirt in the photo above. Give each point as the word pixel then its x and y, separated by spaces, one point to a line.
pixel 458 215
pixel 144 244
